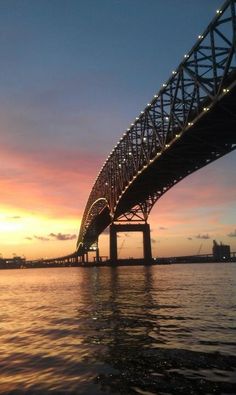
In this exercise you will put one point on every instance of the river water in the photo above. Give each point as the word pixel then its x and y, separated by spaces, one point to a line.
pixel 126 330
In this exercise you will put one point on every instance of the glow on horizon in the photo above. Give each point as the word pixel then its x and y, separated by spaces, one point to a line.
pixel 190 215
pixel 36 236
pixel 63 106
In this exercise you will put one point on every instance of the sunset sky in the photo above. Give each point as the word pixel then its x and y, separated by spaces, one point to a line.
pixel 74 74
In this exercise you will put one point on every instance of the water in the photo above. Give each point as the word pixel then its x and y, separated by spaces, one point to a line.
pixel 126 330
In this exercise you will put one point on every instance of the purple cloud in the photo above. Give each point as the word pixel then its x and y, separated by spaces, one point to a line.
pixel 62 237
pixel 41 238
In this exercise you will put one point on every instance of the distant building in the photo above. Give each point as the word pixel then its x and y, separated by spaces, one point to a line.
pixel 220 252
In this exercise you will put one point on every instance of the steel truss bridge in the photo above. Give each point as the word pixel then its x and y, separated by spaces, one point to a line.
pixel 188 124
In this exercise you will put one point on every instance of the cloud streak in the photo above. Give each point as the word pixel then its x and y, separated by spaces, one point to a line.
pixel 202 237
pixel 62 237
pixel 41 238
pixel 54 236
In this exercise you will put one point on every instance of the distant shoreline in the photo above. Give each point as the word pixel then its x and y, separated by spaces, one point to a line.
pixel 125 262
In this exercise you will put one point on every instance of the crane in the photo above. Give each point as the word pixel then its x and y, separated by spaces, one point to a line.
pixel 120 248
pixel 199 249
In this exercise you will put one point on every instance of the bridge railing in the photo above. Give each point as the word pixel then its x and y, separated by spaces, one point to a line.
pixel 203 77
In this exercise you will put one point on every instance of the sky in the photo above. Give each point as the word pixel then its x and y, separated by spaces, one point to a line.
pixel 74 74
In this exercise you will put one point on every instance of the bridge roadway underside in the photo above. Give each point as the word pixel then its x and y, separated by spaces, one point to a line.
pixel 212 136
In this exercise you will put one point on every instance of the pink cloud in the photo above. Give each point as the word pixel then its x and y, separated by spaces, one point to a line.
pixel 203 201
pixel 56 183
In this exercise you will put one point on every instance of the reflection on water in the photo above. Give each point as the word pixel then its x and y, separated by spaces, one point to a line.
pixel 125 330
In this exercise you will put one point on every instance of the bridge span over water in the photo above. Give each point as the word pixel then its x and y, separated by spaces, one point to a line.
pixel 188 124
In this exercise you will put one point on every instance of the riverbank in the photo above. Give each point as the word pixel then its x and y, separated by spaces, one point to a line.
pixel 121 262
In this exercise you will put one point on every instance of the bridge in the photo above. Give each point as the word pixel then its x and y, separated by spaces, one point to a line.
pixel 188 124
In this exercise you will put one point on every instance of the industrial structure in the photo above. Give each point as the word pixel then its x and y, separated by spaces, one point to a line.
pixel 220 252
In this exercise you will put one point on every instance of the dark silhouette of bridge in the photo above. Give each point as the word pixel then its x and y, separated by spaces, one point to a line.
pixel 188 124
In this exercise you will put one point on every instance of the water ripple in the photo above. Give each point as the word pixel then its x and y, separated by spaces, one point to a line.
pixel 130 330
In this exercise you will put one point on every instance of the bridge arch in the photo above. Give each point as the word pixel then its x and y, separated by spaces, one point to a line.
pixel 91 224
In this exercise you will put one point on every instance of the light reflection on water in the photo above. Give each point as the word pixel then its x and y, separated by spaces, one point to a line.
pixel 128 330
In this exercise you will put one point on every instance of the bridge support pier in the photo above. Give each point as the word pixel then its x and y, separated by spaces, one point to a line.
pixel 144 228
pixel 97 255
pixel 85 257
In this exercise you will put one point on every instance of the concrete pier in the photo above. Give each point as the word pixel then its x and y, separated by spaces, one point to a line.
pixel 144 228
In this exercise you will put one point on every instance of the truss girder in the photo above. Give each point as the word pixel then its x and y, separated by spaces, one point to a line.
pixel 205 75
